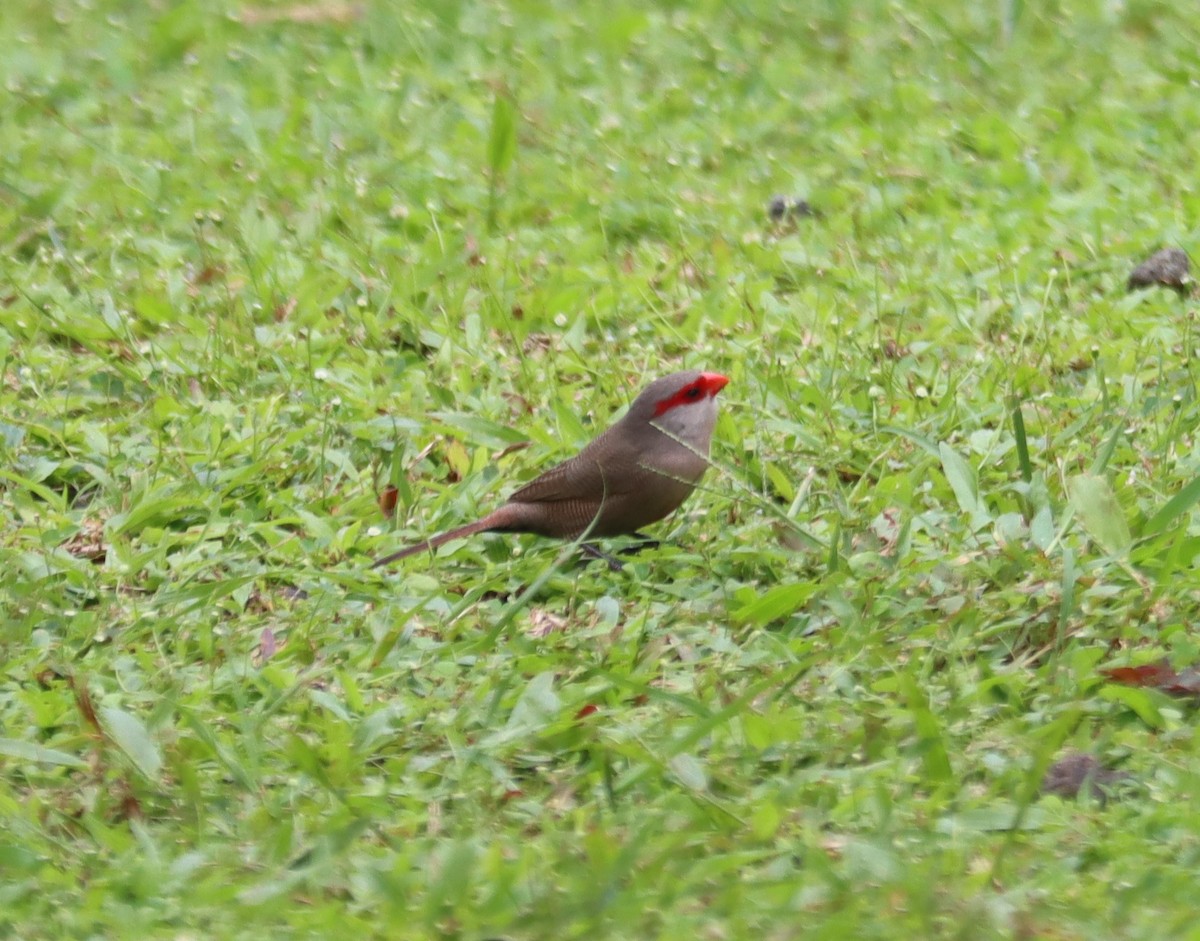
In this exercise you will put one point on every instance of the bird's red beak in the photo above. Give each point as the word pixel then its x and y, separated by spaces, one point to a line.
pixel 714 382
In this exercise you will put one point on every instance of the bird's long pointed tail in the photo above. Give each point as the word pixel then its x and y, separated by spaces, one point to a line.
pixel 495 520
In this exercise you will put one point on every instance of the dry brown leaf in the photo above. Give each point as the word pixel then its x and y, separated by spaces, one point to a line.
pixel 542 623
pixel 387 500
pixel 88 543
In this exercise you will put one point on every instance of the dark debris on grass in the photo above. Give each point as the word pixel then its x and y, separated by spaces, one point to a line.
pixel 786 208
pixel 1167 268
pixel 1080 773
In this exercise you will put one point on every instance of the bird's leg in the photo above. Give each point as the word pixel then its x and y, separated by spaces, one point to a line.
pixel 595 553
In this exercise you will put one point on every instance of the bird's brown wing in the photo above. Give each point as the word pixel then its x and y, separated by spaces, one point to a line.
pixel 576 479
pixel 592 475
pixel 606 490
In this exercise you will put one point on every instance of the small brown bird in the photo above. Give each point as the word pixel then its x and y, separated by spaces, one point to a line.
pixel 635 473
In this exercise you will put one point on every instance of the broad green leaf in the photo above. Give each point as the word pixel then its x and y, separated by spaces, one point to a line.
pixel 228 759
pixel 1041 528
pixel 502 148
pixel 1100 513
pixel 14 748
pixel 1018 420
pixel 1106 452
pixel 758 730
pixel 11 435
pixel 502 143
pixel 965 485
pixel 538 705
pixel 765 820
pixel 458 459
pixel 690 772
pixel 1066 604
pixel 134 739
pixel 454 875
pixel 919 440
pixel 777 603
pixel 934 755
pixel 480 430
pixel 781 482
pixel 1173 509
pixel 1140 701
pixel 15 858
pixel 153 509
pixel 998 817
pixel 873 858
pixel 570 428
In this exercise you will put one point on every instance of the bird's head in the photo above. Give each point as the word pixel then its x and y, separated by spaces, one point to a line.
pixel 683 405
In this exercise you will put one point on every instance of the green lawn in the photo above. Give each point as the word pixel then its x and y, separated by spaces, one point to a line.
pixel 260 261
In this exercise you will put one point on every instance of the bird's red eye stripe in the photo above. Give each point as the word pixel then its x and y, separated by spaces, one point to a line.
pixel 708 385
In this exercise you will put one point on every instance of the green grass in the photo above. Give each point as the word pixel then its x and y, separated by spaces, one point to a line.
pixel 255 269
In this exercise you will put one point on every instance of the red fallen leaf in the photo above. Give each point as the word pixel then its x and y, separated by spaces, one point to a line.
pixel 208 274
pixel 387 500
pixel 590 709
pixel 131 808
pixel 512 794
pixel 83 701
pixel 1148 674
pixel 1159 675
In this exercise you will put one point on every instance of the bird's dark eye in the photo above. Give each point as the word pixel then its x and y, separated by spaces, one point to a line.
pixel 693 392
